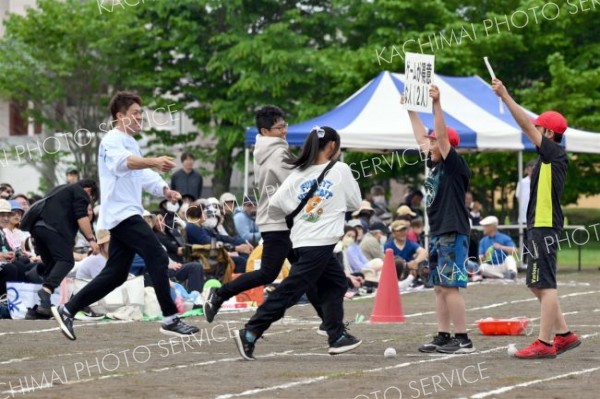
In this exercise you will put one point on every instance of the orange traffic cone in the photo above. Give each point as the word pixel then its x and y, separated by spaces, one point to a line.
pixel 388 307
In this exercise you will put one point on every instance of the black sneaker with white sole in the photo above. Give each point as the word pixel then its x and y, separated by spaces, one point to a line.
pixel 64 320
pixel 245 347
pixel 457 346
pixel 33 314
pixel 437 342
pixel 343 344
pixel 212 304
pixel 178 328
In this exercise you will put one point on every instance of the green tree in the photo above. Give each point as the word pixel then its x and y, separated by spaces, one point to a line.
pixel 66 60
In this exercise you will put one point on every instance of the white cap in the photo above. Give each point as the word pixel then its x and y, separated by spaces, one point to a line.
pixel 489 221
pixel 355 223
pixel 227 197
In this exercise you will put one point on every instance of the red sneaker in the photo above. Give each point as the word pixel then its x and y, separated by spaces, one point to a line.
pixel 563 344
pixel 536 350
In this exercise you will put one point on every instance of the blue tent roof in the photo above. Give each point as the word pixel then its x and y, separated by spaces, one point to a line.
pixel 373 119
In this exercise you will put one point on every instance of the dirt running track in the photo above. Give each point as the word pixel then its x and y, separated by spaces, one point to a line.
pixel 133 360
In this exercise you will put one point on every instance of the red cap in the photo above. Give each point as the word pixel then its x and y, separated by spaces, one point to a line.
pixel 551 120
pixel 453 136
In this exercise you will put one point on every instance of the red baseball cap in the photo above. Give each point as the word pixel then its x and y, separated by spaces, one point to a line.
pixel 453 136
pixel 551 120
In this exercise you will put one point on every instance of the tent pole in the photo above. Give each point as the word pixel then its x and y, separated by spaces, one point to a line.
pixel 246 171
pixel 520 195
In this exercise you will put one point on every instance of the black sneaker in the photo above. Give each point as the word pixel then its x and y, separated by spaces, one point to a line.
pixel 344 343
pixel 33 314
pixel 212 304
pixel 87 314
pixel 45 304
pixel 437 342
pixel 64 320
pixel 457 346
pixel 245 347
pixel 178 328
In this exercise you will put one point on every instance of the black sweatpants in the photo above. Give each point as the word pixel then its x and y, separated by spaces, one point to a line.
pixel 56 254
pixel 131 236
pixel 277 246
pixel 316 268
pixel 191 274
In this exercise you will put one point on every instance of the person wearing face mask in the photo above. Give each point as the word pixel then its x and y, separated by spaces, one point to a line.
pixel 355 259
pixel 245 221
pixel 372 242
pixel 201 229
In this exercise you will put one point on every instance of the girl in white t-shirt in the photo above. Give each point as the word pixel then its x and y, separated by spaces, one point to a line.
pixel 316 230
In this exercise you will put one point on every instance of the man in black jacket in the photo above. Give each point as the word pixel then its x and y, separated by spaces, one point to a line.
pixel 54 233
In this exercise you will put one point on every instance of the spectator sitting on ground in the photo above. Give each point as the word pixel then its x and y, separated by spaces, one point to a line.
pixel 496 251
pixel 405 213
pixel 6 191
pixel 415 231
pixel 411 254
pixel 372 243
pixel 413 201
pixel 228 205
pixel 360 231
pixel 11 229
pixel 23 201
pixel 91 266
pixel 353 260
pixel 201 229
pixel 364 214
pixel 245 221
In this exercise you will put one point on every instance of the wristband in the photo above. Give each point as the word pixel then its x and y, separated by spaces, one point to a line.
pixel 91 239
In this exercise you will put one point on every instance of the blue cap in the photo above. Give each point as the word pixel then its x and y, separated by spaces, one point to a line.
pixel 15 206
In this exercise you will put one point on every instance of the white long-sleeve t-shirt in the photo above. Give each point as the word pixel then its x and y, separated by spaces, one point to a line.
pixel 120 187
pixel 321 222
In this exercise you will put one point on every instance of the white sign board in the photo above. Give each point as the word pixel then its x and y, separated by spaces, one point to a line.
pixel 418 78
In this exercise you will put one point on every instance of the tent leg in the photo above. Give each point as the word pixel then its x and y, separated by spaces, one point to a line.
pixel 246 171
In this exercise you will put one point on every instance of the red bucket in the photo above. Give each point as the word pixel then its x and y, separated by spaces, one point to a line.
pixel 514 326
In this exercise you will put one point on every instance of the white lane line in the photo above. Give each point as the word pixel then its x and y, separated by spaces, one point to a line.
pixel 89 323
pixel 273 388
pixel 15 360
pixel 42 386
pixel 528 383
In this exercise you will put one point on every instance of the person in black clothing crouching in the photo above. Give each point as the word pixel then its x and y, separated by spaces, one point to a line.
pixel 54 233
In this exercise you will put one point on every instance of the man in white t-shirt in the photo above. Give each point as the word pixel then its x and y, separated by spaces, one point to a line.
pixel 522 193
pixel 124 173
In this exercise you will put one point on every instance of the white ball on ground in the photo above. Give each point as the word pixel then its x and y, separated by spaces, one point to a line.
pixel 389 352
pixel 512 349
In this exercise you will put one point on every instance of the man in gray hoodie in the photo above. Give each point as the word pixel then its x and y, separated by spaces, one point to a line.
pixel 270 150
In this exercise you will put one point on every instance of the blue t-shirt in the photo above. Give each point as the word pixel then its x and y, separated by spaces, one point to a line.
pixel 407 253
pixel 495 256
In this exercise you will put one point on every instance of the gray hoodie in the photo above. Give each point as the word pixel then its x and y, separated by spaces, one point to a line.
pixel 269 173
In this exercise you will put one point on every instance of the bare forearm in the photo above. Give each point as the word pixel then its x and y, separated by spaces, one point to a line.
pixel 439 123
pixel 417 126
pixel 86 227
pixel 522 120
pixel 135 162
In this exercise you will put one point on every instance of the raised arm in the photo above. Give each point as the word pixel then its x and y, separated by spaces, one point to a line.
pixel 438 122
pixel 419 130
pixel 517 112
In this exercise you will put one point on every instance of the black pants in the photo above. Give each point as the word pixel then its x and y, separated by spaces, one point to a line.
pixel 318 270
pixel 191 274
pixel 277 246
pixel 131 236
pixel 56 253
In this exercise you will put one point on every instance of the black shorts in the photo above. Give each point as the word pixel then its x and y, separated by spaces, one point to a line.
pixel 540 248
